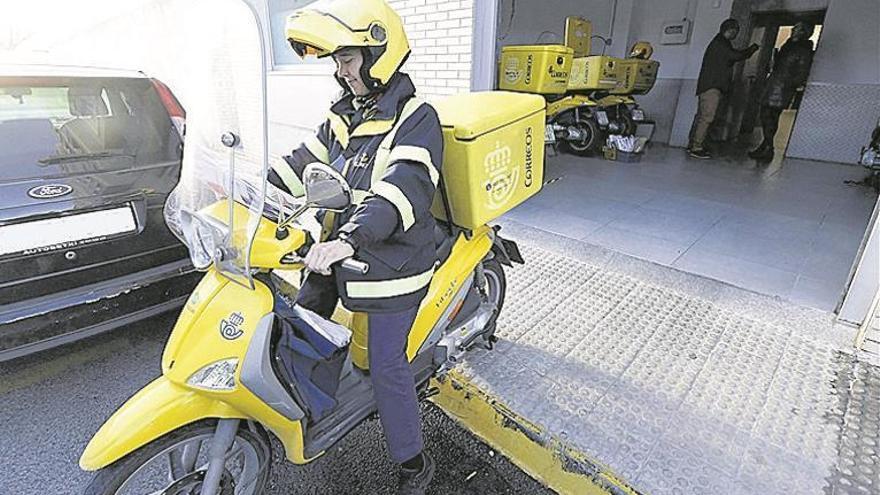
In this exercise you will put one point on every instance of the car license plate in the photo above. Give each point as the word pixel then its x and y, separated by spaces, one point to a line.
pixel 602 118
pixel 638 114
pixel 549 135
pixel 66 232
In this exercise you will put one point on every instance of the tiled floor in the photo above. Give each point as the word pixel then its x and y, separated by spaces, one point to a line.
pixel 791 228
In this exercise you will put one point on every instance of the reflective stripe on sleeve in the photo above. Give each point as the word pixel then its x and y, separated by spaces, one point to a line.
pixel 388 288
pixel 381 162
pixel 358 196
pixel 317 148
pixel 415 154
pixel 340 129
pixel 294 185
pixel 393 194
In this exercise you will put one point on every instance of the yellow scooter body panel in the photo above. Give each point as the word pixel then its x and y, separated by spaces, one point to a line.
pixel 267 250
pixel 217 323
pixel 157 409
pixel 447 281
pixel 569 102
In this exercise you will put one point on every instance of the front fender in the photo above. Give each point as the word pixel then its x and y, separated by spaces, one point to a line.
pixel 159 408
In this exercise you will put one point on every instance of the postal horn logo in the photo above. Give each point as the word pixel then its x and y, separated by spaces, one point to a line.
pixel 501 177
pixel 50 191
pixel 230 328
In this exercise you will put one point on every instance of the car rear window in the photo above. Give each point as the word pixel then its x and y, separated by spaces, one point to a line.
pixel 53 119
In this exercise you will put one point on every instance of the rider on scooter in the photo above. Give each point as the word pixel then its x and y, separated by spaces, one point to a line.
pixel 389 147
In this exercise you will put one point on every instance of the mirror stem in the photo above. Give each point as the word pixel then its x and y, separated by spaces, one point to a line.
pixel 293 216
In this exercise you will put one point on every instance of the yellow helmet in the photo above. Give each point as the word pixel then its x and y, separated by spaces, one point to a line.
pixel 326 26
pixel 642 49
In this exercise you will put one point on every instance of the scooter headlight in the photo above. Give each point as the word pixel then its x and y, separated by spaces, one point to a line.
pixel 203 253
pixel 215 376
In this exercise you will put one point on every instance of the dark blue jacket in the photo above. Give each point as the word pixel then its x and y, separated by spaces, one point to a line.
pixel 390 150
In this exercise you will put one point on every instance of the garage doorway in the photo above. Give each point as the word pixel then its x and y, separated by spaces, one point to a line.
pixel 770 31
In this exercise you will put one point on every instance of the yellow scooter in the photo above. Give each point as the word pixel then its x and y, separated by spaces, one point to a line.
pixel 208 418
pixel 204 425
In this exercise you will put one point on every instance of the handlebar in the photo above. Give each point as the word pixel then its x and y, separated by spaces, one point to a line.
pixel 355 266
pixel 349 264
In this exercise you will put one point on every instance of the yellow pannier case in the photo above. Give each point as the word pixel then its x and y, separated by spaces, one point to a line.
pixel 536 69
pixel 493 156
pixel 637 76
pixel 598 72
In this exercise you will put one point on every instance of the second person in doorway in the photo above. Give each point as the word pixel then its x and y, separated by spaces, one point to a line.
pixel 790 70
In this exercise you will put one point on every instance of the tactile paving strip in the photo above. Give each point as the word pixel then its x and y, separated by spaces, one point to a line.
pixel 677 394
pixel 536 289
pixel 561 331
pixel 858 464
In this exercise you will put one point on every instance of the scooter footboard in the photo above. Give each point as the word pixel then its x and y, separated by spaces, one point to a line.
pixel 159 408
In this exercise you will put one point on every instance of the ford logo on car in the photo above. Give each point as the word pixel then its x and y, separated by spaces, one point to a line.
pixel 50 191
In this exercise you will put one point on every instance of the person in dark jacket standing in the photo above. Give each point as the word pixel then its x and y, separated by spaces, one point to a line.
pixel 791 68
pixel 388 145
pixel 714 82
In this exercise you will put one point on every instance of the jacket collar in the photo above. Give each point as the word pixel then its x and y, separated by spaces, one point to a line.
pixel 376 117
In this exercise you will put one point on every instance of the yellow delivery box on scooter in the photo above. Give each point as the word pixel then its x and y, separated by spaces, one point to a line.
pixel 637 76
pixel 493 156
pixel 598 72
pixel 536 69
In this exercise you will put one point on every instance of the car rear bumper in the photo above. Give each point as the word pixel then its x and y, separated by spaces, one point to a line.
pixel 36 324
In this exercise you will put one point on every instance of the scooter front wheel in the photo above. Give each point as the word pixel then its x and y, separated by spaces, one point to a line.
pixel 176 463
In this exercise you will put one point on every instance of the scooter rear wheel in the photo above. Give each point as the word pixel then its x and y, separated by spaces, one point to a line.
pixel 175 464
pixel 592 138
pixel 495 291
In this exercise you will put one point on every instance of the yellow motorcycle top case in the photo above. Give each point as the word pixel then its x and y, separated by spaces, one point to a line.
pixel 493 157
pixel 638 76
pixel 595 72
pixel 538 69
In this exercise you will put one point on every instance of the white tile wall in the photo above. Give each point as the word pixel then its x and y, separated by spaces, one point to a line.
pixel 441 35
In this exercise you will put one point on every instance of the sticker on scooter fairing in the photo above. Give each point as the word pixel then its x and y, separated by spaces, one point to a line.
pixel 230 328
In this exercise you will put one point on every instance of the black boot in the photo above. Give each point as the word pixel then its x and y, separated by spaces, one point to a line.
pixel 762 153
pixel 415 480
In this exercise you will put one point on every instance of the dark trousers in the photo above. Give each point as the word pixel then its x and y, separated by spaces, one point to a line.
pixel 769 125
pixel 393 383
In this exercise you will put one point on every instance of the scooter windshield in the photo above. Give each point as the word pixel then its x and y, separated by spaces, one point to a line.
pixel 219 201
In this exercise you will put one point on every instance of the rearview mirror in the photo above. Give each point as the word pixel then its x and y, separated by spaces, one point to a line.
pixel 326 188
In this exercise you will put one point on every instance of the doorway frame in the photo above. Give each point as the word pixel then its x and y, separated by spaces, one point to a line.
pixel 743 96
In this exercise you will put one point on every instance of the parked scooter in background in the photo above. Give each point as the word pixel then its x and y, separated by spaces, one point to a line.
pixel 870 158
pixel 589 97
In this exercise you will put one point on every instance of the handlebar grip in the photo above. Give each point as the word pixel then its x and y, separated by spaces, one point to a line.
pixel 354 265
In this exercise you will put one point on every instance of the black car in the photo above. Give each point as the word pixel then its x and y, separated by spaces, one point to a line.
pixel 87 159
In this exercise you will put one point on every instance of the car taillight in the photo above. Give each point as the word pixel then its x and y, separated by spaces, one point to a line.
pixel 172 106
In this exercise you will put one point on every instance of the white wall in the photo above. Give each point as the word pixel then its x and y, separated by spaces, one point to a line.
pixel 850 44
pixel 530 22
pixel 866 280
pixel 441 36
pixel 647 24
pixel 801 5
pixel 844 85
